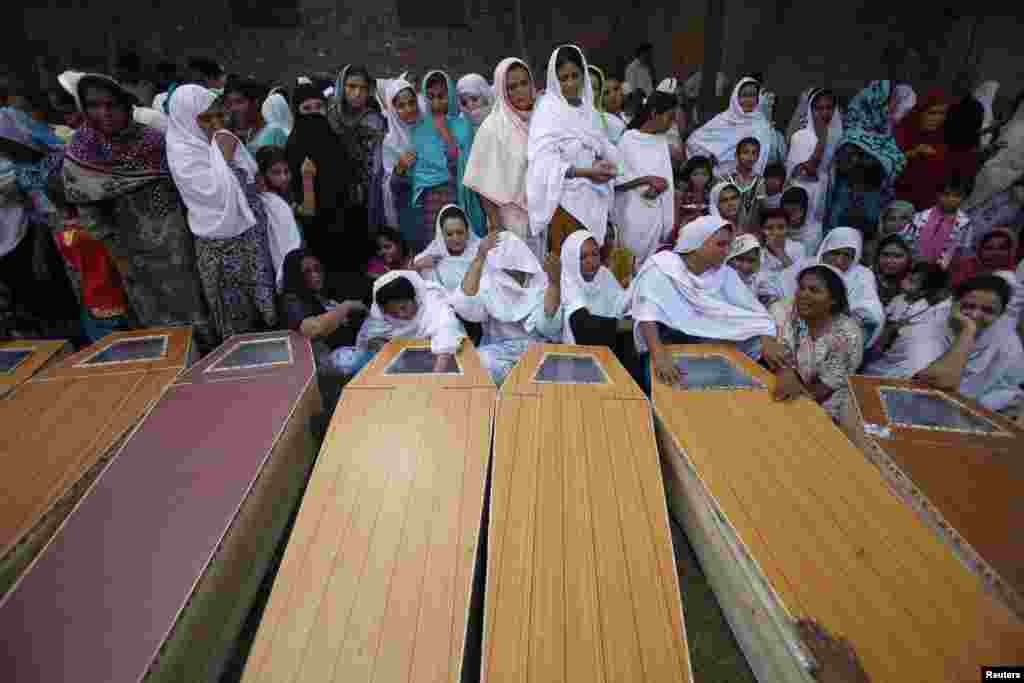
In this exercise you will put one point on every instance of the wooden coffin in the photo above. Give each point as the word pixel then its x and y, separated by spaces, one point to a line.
pixel 959 466
pixel 581 576
pixel 61 427
pixel 376 581
pixel 153 574
pixel 22 358
pixel 790 521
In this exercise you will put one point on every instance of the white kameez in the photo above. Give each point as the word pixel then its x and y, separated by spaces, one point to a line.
pixel 434 318
pixel 801 149
pixel 602 296
pixel 644 223
pixel 451 269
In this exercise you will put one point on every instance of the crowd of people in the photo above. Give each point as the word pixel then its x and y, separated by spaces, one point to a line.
pixel 878 235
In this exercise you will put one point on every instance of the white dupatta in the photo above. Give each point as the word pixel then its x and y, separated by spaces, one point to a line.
pixel 602 296
pixel 451 269
pixel 562 136
pixel 397 142
pixel 283 234
pixel 714 305
pixel 720 136
pixel 801 148
pixel 217 205
pixel 434 319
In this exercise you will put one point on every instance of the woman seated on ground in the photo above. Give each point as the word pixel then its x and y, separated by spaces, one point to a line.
pixel 516 300
pixel 328 317
pixel 686 296
pixel 893 263
pixel 823 342
pixel 392 254
pixel 977 351
pixel 745 258
pixel 841 249
pixel 405 306
pixel 593 300
pixel 447 259
pixel 923 300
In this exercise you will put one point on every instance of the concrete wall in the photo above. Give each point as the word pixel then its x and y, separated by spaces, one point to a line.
pixel 796 43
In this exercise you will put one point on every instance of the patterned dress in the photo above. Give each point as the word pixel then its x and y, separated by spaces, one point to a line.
pixel 237 274
pixel 829 359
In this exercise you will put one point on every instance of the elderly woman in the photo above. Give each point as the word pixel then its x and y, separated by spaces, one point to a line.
pixel 216 177
pixel 688 296
pixel 354 117
pixel 117 173
pixel 823 343
pixel 571 161
pixel 497 163
pixel 516 300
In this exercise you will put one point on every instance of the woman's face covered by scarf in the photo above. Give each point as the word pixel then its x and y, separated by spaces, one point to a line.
pixel 105 110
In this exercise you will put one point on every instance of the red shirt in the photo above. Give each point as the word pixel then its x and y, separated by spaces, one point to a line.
pixel 102 292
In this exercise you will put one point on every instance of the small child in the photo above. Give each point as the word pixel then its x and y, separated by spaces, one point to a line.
pixel 749 183
pixel 392 254
pixel 745 257
pixel 779 251
pixel 774 180
pixel 942 233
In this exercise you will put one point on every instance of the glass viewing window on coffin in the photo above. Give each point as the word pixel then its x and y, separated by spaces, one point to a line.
pixel 928 409
pixel 567 368
pixel 130 351
pixel 10 359
pixel 420 361
pixel 256 353
pixel 713 372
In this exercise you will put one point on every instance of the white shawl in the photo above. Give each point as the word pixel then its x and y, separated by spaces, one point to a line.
pixel 282 231
pixel 217 205
pixel 434 318
pixel 860 281
pixel 397 142
pixel 714 305
pixel 986 95
pixel 451 269
pixel 276 112
pixel 801 148
pixel 1004 169
pixel 643 222
pixel 719 136
pixel 506 300
pixel 602 296
pixel 496 169
pixel 562 136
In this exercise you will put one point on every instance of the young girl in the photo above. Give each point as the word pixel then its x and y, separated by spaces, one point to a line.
pixel 746 179
pixel 942 233
pixel 695 186
pixel 745 257
pixel 802 229
pixel 447 259
pixel 644 194
pixel 353 115
pixel 392 254
pixel 274 179
pixel 774 181
pixel 892 264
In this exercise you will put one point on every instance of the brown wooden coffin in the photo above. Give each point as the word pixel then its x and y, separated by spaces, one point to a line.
pixel 152 576
pixel 61 427
pixel 790 521
pixel 22 358
pixel 581 576
pixel 959 466
pixel 376 580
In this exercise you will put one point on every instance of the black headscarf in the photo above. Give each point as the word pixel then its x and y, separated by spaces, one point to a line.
pixel 963 123
pixel 313 138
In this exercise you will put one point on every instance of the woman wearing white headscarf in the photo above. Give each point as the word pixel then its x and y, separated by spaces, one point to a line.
pixel 812 148
pixel 745 257
pixel 571 161
pixel 405 306
pixel 516 300
pixel 687 296
pixel 496 169
pixel 476 98
pixel 216 177
pixel 398 155
pixel 841 249
pixel 719 137
pixel 447 259
pixel 779 149
pixel 276 112
pixel 593 301
pixel 986 96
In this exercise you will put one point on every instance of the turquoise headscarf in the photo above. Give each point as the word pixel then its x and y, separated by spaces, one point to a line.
pixel 867 126
pixel 431 167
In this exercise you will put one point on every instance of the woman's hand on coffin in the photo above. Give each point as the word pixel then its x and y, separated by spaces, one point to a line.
pixel 666 370
pixel 787 385
pixel 773 352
